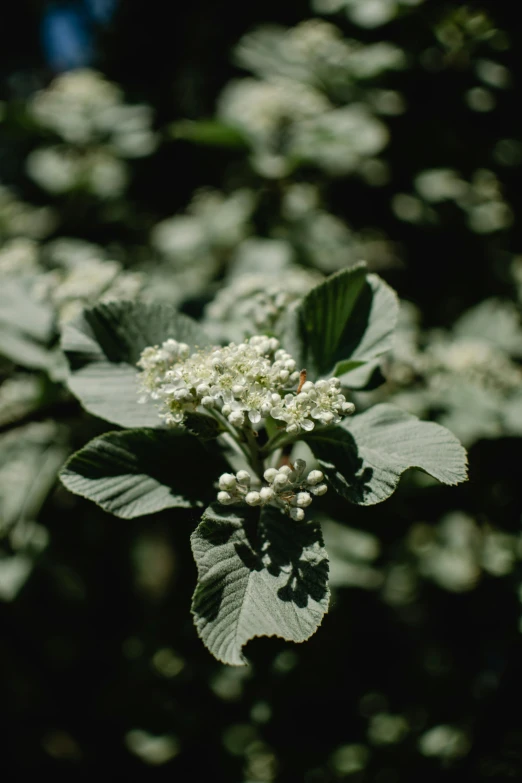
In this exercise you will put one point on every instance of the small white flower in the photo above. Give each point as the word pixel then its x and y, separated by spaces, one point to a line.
pixel 246 383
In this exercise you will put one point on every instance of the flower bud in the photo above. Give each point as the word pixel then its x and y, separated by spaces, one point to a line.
pixel 280 481
pixel 270 474
pixel 253 498
pixel 225 498
pixel 266 493
pixel 297 514
pixel 243 477
pixel 314 477
pixel 303 499
pixel 237 418
pixel 227 481
pixel 320 489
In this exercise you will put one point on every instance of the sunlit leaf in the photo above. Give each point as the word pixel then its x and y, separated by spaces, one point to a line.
pixel 262 576
pixel 365 457
pixel 140 472
pixel 342 325
pixel 102 347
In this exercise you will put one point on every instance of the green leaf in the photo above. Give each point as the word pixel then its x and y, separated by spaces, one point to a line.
pixel 203 426
pixel 493 321
pixel 26 326
pixel 138 472
pixel 258 576
pixel 342 325
pixel 366 455
pixel 208 132
pixel 22 349
pixel 102 347
pixel 20 310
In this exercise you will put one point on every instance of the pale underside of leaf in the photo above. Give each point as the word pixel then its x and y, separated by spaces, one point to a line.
pixel 257 579
pixel 365 457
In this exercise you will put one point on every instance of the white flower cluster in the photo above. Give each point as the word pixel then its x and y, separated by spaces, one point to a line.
pixel 259 299
pixel 243 382
pixel 286 487
pixel 83 108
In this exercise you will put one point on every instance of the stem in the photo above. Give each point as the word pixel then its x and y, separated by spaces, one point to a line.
pixel 231 432
pixel 276 442
pixel 255 453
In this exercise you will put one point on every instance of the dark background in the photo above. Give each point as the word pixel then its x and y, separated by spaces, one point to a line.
pixel 76 645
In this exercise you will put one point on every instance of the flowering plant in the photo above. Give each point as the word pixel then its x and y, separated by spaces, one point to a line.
pixel 253 431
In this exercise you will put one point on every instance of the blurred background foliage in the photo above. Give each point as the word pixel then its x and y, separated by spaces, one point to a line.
pixel 226 163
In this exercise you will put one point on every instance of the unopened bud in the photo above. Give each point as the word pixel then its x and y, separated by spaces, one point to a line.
pixel 253 498
pixel 270 474
pixel 227 481
pixel 243 477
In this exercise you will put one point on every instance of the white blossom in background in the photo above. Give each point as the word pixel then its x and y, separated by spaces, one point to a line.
pixel 60 169
pixel 480 199
pixel 286 488
pixel 83 108
pixel 196 245
pixel 340 139
pixel 212 222
pixel 325 240
pixel 458 551
pixel 244 383
pixel 96 129
pixel 365 13
pixel 18 257
pixel 66 273
pixel 316 53
pixel 254 301
pixel 311 99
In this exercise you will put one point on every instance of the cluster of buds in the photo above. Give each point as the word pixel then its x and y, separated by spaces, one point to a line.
pixel 245 383
pixel 286 488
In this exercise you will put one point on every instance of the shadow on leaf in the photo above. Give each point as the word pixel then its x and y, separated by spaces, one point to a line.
pixel 338 454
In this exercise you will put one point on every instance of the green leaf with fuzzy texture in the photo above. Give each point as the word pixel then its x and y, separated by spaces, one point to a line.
pixel 258 575
pixel 366 455
pixel 138 472
pixel 27 327
pixel 343 326
pixel 103 346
